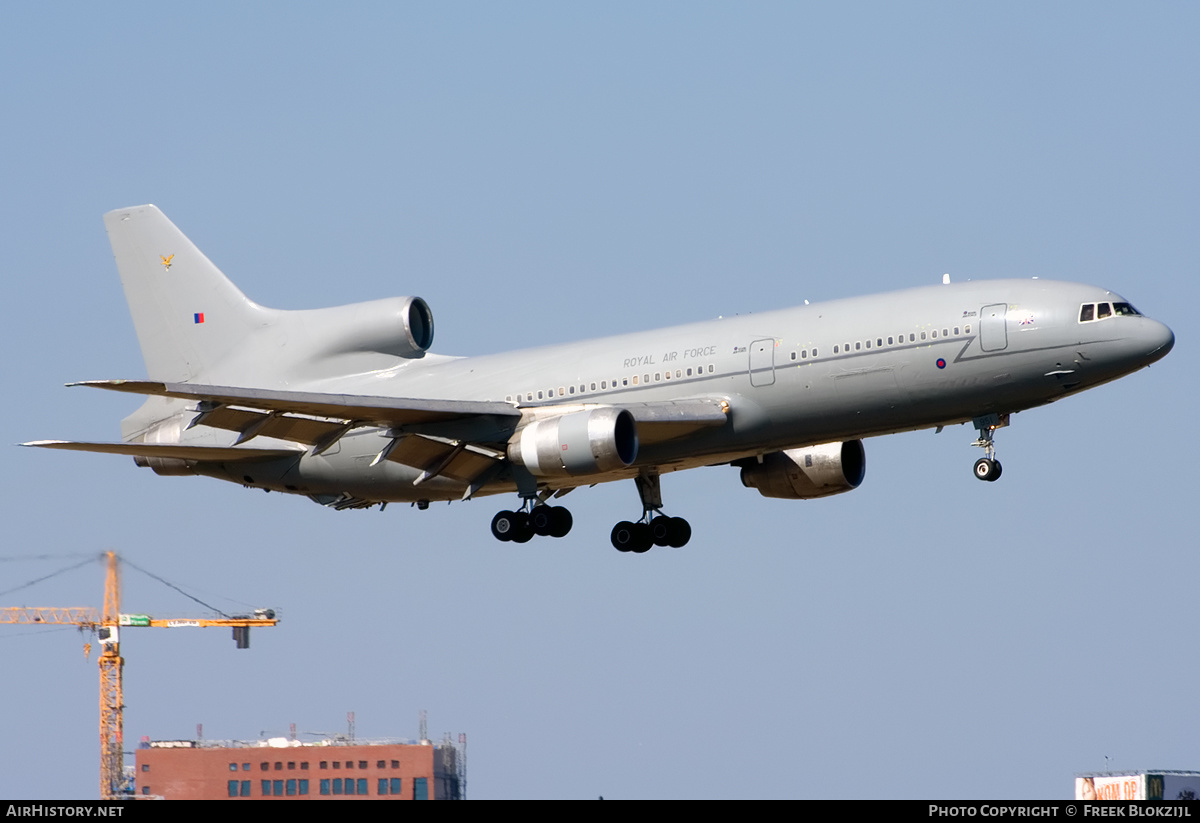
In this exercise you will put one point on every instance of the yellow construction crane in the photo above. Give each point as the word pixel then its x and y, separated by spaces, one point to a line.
pixel 106 625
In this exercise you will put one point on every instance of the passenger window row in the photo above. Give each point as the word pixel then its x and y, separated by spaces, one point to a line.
pixel 896 340
pixel 608 385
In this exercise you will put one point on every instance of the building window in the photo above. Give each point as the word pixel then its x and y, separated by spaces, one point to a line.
pixel 304 765
pixel 266 788
pixel 394 784
pixel 146 767
pixel 145 790
pixel 325 785
pixel 233 788
pixel 420 788
pixel 303 785
pixel 245 788
pixel 291 764
pixel 245 767
pixel 382 786
pixel 362 785
pixel 278 766
pixel 380 764
pixel 232 767
pixel 264 766
pixel 349 785
pixel 395 764
pixel 337 764
pixel 291 787
pixel 278 785
pixel 337 785
pixel 362 764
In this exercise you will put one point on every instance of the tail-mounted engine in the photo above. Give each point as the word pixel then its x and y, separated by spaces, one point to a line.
pixel 578 443
pixel 401 326
pixel 802 474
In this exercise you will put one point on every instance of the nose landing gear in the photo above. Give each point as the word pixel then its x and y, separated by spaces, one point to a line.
pixel 988 468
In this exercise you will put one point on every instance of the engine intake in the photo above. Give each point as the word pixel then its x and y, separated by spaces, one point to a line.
pixel 804 474
pixel 578 443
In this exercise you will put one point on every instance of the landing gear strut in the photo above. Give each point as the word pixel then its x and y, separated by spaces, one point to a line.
pixel 654 528
pixel 988 468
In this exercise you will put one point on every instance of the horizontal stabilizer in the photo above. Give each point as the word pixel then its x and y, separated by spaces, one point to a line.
pixel 204 454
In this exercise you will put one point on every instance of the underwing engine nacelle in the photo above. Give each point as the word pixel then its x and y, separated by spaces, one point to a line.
pixel 802 474
pixel 165 431
pixel 578 443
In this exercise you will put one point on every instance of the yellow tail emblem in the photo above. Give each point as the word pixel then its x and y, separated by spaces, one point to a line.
pixel 166 260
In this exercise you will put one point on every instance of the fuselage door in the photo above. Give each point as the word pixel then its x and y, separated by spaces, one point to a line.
pixel 993 336
pixel 762 362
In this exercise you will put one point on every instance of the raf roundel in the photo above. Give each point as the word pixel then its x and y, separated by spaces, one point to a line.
pixel 941 364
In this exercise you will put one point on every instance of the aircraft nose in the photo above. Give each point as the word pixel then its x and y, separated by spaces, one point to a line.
pixel 1160 340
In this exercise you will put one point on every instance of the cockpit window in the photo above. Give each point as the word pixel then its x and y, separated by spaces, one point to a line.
pixel 1099 311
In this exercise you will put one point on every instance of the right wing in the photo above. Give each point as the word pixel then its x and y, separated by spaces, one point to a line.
pixel 465 440
pixel 211 454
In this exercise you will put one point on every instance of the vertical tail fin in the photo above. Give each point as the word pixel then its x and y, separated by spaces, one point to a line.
pixel 190 318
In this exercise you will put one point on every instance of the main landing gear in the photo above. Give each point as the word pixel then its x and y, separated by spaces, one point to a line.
pixel 533 518
pixel 654 528
pixel 988 468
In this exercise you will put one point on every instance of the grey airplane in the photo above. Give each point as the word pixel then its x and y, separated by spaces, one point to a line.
pixel 348 406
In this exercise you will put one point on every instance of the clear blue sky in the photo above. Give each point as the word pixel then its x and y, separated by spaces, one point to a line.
pixel 546 172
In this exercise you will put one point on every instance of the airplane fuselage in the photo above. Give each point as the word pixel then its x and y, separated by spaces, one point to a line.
pixel 813 374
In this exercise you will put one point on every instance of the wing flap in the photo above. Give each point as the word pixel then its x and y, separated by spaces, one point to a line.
pixel 307 430
pixel 439 457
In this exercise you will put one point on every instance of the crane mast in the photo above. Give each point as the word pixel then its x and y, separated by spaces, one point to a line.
pixel 112 725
